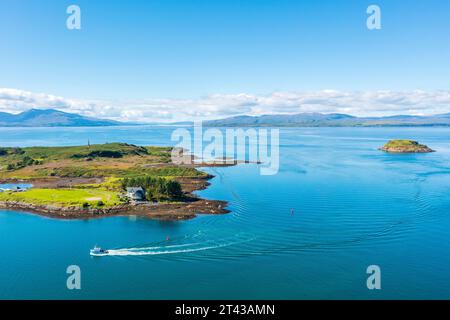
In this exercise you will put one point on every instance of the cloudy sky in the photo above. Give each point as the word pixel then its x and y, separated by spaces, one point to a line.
pixel 217 106
pixel 171 60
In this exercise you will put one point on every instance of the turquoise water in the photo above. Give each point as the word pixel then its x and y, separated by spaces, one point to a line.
pixel 354 206
pixel 8 186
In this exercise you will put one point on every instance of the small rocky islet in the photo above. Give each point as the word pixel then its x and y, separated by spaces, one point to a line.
pixel 405 146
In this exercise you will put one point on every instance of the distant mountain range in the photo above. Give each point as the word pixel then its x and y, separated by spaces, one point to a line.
pixel 329 120
pixel 55 118
pixel 51 118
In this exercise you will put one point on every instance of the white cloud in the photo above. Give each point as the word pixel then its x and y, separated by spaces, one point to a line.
pixel 368 103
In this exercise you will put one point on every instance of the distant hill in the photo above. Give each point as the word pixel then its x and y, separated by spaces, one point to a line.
pixel 51 118
pixel 329 120
pixel 55 118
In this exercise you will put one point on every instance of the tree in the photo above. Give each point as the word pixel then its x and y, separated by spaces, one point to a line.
pixel 174 188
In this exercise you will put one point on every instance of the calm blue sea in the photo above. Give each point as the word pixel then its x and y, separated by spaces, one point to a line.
pixel 354 206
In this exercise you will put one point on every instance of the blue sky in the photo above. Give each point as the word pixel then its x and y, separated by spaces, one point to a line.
pixel 154 55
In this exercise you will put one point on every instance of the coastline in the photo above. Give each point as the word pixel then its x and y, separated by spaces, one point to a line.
pixel 91 181
pixel 187 209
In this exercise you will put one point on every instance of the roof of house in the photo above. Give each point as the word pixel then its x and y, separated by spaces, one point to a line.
pixel 135 190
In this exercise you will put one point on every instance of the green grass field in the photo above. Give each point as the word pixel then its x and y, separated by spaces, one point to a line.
pixel 64 197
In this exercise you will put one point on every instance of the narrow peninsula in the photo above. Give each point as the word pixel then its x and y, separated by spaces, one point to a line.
pixel 405 146
pixel 102 180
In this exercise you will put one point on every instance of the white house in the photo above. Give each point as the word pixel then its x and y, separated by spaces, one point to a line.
pixel 136 194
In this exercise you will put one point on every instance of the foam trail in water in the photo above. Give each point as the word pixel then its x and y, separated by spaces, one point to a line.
pixel 158 247
pixel 143 252
pixel 172 249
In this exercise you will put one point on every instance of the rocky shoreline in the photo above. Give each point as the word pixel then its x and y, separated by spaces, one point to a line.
pixel 163 211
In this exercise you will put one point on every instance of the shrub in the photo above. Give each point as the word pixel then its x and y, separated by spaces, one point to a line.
pixel 26 161
pixel 100 154
pixel 17 151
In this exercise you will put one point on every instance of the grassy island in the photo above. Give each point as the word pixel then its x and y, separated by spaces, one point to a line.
pixel 92 180
pixel 405 146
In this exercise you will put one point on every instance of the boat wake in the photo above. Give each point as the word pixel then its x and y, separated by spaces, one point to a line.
pixel 143 252
pixel 173 249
